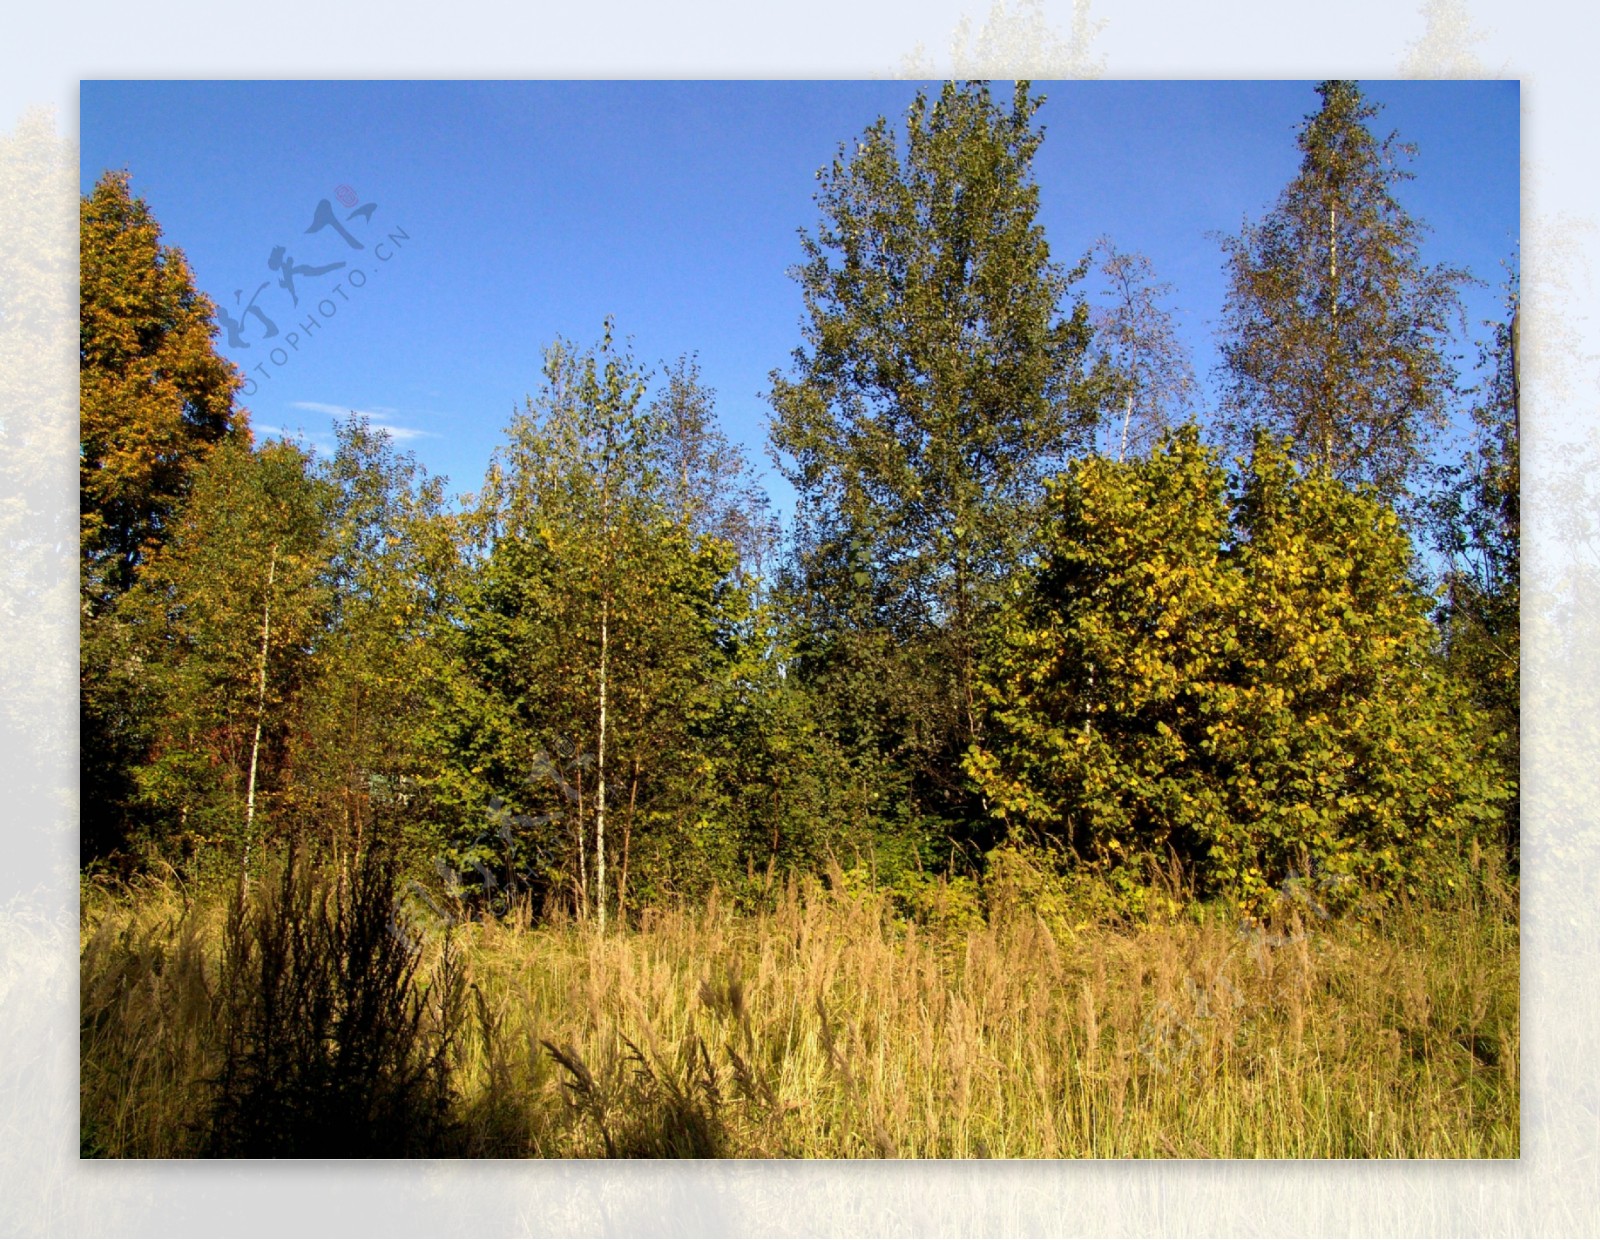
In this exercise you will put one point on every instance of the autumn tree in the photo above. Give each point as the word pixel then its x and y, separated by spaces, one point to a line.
pixel 154 395
pixel 155 399
pixel 1239 676
pixel 940 382
pixel 1336 333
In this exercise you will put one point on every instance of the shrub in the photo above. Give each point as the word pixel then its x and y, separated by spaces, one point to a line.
pixel 331 1049
pixel 1246 682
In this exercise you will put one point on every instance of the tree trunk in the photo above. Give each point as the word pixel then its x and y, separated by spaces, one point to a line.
pixel 261 710
pixel 964 653
pixel 1330 404
pixel 600 776
pixel 582 879
pixel 627 838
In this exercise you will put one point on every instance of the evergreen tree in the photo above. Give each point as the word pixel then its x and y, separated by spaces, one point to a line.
pixel 1336 334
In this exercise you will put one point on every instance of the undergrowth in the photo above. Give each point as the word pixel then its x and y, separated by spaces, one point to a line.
pixel 1011 1018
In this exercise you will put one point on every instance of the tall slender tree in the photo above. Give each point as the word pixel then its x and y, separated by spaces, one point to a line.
pixel 386 577
pixel 593 640
pixel 940 383
pixel 1336 333
pixel 221 628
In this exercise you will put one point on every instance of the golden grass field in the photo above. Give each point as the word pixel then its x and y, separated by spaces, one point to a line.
pixel 830 1026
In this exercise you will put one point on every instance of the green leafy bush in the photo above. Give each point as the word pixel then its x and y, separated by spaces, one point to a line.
pixel 1244 679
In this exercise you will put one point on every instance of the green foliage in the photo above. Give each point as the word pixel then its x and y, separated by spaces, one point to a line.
pixel 1335 333
pixel 1245 682
pixel 939 384
pixel 586 686
pixel 359 755
pixel 603 596
pixel 947 905
pixel 218 634
pixel 779 779
pixel 1477 526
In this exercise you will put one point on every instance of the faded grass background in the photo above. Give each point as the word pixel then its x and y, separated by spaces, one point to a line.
pixel 1554 1189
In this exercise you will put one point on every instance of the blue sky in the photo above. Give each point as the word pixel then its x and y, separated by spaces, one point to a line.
pixel 506 214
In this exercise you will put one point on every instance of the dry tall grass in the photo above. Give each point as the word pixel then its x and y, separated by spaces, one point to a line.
pixel 828 1027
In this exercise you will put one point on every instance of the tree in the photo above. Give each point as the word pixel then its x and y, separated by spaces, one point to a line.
pixel 938 386
pixel 387 576
pixel 1477 527
pixel 154 395
pixel 1152 384
pixel 1244 680
pixel 1335 332
pixel 155 400
pixel 220 629
pixel 713 492
pixel 595 635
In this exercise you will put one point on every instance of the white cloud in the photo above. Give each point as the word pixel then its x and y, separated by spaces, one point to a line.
pixel 319 440
pixel 403 433
pixel 376 417
pixel 339 411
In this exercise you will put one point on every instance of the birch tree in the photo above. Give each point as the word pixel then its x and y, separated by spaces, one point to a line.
pixel 223 623
pixel 596 631
pixel 1151 384
pixel 1336 333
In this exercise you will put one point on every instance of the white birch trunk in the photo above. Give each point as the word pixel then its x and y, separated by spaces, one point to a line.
pixel 261 710
pixel 1333 309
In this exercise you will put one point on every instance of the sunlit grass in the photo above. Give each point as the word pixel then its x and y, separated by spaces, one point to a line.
pixel 827 1026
